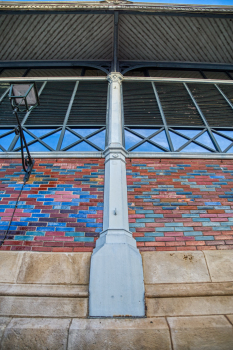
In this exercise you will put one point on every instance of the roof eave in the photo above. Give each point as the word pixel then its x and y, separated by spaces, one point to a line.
pixel 111 5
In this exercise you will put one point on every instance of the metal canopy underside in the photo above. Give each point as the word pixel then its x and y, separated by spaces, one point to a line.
pixel 166 36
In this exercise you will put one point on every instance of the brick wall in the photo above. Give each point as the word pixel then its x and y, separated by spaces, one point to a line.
pixel 173 204
pixel 60 208
pixel 181 204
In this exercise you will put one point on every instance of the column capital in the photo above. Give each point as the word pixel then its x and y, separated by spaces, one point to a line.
pixel 115 152
pixel 115 77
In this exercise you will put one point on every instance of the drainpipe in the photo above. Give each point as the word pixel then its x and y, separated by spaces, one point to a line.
pixel 116 276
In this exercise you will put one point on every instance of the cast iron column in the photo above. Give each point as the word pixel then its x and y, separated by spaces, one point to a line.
pixel 116 276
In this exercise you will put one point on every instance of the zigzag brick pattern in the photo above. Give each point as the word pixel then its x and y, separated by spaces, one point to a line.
pixel 177 204
pixel 60 208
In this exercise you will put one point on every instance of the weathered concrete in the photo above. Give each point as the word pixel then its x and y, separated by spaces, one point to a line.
pixel 201 332
pixel 65 268
pixel 119 334
pixel 9 266
pixel 36 334
pixel 174 267
pixel 220 265
pixel 189 306
pixel 43 307
pixel 4 321
pixel 230 318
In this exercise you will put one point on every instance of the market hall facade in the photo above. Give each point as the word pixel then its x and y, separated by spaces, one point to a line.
pixel 127 213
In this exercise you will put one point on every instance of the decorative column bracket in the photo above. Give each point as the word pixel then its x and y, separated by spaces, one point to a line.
pixel 116 277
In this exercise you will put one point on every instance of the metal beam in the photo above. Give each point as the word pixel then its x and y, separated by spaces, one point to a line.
pixel 115 67
pixel 67 116
pixel 203 119
pixel 224 96
pixel 172 65
pixel 57 64
pixel 163 118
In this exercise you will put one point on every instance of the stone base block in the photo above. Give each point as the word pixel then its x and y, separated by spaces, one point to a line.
pixel 36 334
pixel 119 334
pixel 201 332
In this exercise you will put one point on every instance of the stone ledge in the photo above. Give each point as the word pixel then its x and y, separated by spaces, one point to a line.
pixel 201 332
pixel 44 290
pixel 43 306
pixel 179 306
pixel 167 290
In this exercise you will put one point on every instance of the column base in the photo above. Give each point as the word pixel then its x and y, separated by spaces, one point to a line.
pixel 116 277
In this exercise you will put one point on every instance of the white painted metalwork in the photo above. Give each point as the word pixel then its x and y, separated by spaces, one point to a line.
pixel 116 276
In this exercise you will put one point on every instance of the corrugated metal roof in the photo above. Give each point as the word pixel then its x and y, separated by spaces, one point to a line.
pixel 159 32
pixel 171 38
pixel 56 36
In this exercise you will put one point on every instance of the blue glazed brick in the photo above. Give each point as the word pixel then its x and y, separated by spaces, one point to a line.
pixel 145 220
pixel 144 239
pixel 173 224
pixel 212 203
pixel 164 229
pixel 144 211
pixel 84 239
pixel 77 216
pixel 29 219
pixel 19 223
pixel 168 208
pixel 204 238
pixel 94 225
pixel 221 228
pixel 217 177
pixel 5 228
pixel 85 220
pixel 154 234
pixel 192 233
pixel 190 216
pixel 45 228
pixel 224 207
pixel 32 211
pixel 61 229
pixel 184 228
pixel 204 207
pixel 211 224
pixel 40 215
pixel 24 238
pixel 153 215
pixel 34 233
pixel 137 225
pixel 57 224
pixel 201 219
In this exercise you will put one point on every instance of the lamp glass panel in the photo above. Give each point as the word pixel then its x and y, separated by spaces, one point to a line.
pixel 21 90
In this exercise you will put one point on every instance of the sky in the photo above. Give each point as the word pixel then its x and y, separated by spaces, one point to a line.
pixel 200 2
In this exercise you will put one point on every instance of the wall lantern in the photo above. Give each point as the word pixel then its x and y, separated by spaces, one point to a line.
pixel 24 97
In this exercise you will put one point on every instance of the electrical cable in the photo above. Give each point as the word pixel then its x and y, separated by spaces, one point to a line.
pixel 12 216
